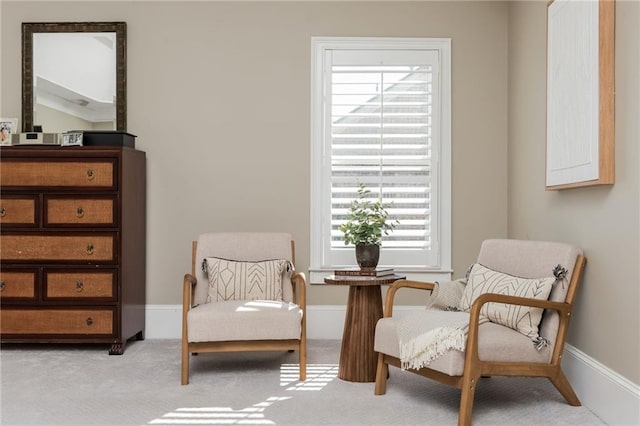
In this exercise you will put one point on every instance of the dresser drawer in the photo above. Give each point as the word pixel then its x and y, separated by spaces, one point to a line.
pixel 18 211
pixel 79 211
pixel 56 321
pixel 25 173
pixel 97 247
pixel 79 285
pixel 17 285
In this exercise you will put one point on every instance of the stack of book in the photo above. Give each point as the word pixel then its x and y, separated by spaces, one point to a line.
pixel 364 272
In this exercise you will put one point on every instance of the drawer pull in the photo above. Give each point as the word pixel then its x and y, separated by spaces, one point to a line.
pixel 3 212
pixel 79 286
pixel 90 174
pixel 2 285
pixel 79 212
pixel 89 249
pixel 89 321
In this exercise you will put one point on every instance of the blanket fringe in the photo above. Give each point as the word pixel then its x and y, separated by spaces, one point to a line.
pixel 420 351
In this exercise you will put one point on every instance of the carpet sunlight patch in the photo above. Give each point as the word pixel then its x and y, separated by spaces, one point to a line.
pixel 318 376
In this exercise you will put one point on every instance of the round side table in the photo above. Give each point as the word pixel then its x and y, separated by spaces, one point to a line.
pixel 364 309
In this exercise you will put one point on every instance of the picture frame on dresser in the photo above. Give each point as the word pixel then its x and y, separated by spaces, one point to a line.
pixel 8 126
pixel 73 232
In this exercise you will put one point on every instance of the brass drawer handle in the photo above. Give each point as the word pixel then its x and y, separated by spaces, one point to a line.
pixel 79 286
pixel 79 212
pixel 2 285
pixel 90 174
pixel 3 212
pixel 89 321
pixel 89 249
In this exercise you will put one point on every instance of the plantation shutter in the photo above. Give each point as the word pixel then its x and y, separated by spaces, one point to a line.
pixel 380 125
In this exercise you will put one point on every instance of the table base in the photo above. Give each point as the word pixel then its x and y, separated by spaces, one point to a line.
pixel 357 357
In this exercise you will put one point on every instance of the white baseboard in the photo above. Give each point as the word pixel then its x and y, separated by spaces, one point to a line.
pixel 163 322
pixel 610 396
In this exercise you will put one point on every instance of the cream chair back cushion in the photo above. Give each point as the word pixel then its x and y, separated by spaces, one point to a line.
pixel 241 246
pixel 533 259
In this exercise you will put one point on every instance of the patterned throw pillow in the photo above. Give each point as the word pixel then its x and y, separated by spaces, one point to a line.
pixel 524 319
pixel 233 280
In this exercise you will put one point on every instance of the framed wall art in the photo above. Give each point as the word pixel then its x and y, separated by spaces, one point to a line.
pixel 580 93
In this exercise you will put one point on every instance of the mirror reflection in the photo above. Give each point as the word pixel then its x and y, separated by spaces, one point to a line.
pixel 74 76
pixel 74 81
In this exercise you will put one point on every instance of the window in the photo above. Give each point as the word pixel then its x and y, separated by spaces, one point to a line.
pixel 381 116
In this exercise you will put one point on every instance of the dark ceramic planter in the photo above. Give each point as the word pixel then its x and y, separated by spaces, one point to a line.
pixel 367 255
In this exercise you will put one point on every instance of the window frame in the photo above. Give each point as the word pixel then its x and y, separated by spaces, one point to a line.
pixel 319 125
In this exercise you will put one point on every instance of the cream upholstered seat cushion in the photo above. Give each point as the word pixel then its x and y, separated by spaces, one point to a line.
pixel 496 343
pixel 244 320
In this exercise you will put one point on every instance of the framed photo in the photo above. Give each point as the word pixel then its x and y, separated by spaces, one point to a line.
pixel 8 126
pixel 71 139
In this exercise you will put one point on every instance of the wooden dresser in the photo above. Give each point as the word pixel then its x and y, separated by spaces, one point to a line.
pixel 72 245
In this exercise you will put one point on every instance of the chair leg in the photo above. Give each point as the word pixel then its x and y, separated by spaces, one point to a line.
pixel 564 387
pixel 185 363
pixel 303 361
pixel 469 383
pixel 382 372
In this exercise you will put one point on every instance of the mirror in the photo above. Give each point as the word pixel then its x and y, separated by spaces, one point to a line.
pixel 74 76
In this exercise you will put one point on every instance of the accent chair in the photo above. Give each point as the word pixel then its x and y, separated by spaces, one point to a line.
pixel 512 282
pixel 243 294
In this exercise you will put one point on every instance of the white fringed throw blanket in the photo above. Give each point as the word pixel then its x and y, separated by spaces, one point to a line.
pixel 447 329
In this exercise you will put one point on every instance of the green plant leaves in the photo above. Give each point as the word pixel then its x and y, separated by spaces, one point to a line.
pixel 366 220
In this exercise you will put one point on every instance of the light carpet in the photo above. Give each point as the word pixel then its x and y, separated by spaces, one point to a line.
pixel 83 385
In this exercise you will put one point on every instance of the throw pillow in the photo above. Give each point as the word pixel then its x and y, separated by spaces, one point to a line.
pixel 236 280
pixel 524 319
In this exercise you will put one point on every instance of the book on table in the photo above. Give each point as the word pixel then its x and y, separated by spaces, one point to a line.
pixel 364 272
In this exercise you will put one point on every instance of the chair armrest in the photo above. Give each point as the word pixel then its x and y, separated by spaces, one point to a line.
pixel 391 293
pixel 299 281
pixel 561 307
pixel 188 285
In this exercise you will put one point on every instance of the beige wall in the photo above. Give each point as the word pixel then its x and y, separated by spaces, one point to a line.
pixel 219 96
pixel 603 221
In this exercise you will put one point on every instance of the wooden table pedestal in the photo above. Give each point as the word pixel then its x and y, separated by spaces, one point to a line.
pixel 364 308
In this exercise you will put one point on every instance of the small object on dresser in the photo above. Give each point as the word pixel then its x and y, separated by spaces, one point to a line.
pixel 71 139
pixel 8 127
pixel 35 138
pixel 108 138
pixel 364 272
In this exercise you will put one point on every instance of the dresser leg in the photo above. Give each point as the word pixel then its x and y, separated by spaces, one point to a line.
pixel 140 335
pixel 117 348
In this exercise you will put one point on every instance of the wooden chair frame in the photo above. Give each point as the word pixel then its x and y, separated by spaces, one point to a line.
pixel 474 368
pixel 298 281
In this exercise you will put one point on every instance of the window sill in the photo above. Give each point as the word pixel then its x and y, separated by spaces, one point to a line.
pixel 317 275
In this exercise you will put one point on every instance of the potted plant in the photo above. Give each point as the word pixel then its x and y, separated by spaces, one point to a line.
pixel 366 224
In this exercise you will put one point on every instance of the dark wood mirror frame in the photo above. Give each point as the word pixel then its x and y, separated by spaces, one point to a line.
pixel 29 28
